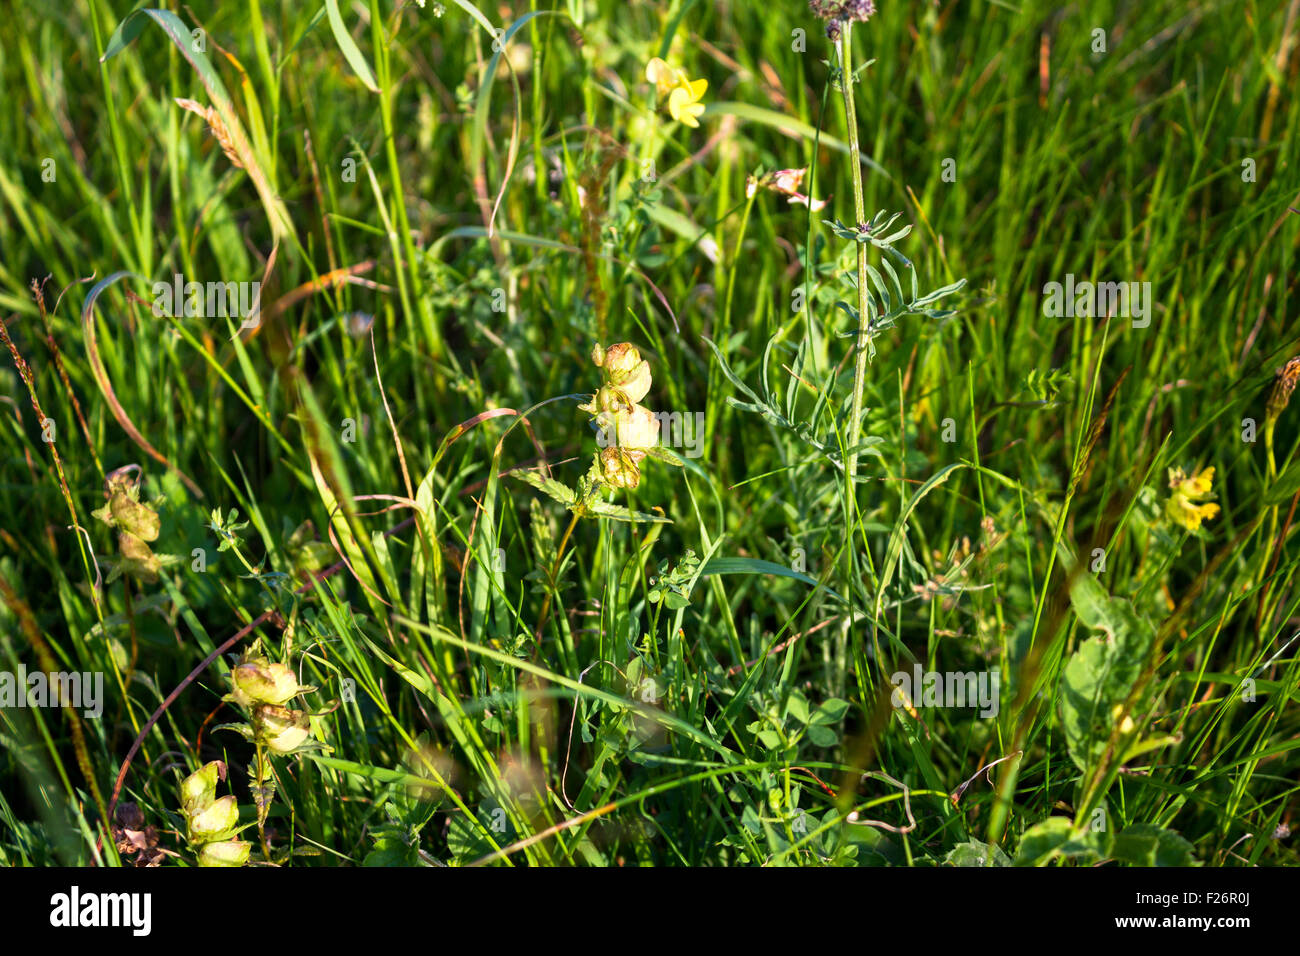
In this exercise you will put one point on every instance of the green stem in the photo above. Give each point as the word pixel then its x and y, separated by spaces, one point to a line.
pixel 860 216
pixel 555 570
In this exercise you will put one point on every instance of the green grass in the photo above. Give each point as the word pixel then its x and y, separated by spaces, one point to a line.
pixel 526 687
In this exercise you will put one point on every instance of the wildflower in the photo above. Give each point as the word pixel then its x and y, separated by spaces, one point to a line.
pixel 787 183
pixel 628 432
pixel 136 524
pixel 626 373
pixel 1126 725
pixel 629 427
pixel 663 76
pixel 838 14
pixel 683 93
pixel 684 103
pixel 1185 506
pixel 211 822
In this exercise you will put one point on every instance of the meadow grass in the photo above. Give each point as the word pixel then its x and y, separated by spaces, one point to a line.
pixel 445 206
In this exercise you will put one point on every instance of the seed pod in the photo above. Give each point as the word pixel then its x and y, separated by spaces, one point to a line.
pixel 261 682
pixel 619 467
pixel 281 729
pixel 225 853
pixel 130 515
pixel 199 789
pixel 216 822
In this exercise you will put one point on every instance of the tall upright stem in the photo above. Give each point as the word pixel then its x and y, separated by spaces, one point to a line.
pixel 864 318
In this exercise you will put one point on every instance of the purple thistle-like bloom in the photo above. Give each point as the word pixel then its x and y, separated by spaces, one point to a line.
pixel 859 10
pixel 845 11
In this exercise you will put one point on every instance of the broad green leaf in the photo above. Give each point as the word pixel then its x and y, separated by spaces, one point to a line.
pixel 1101 673
pixel 975 853
pixel 1043 841
pixel 1146 845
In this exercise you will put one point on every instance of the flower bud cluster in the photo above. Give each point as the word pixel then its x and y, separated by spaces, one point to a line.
pixel 211 822
pixel 263 688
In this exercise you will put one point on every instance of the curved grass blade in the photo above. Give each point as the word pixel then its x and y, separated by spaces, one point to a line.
pixel 106 387
pixel 349 48
pixel 175 28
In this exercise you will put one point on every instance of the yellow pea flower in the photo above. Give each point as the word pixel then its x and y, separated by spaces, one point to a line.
pixel 1184 506
pixel 684 103
pixel 684 94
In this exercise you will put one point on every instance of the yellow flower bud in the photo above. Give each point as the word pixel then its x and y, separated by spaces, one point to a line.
pixel 663 76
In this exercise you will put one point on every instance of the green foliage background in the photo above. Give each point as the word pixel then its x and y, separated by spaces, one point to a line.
pixel 714 689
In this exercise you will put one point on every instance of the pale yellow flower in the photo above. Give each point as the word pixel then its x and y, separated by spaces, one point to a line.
pixel 663 76
pixel 225 853
pixel 216 822
pixel 635 427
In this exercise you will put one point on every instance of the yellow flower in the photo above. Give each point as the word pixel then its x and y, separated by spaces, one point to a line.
pixel 684 94
pixel 199 789
pixel 684 103
pixel 217 822
pixel 1184 506
pixel 625 370
pixel 262 682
